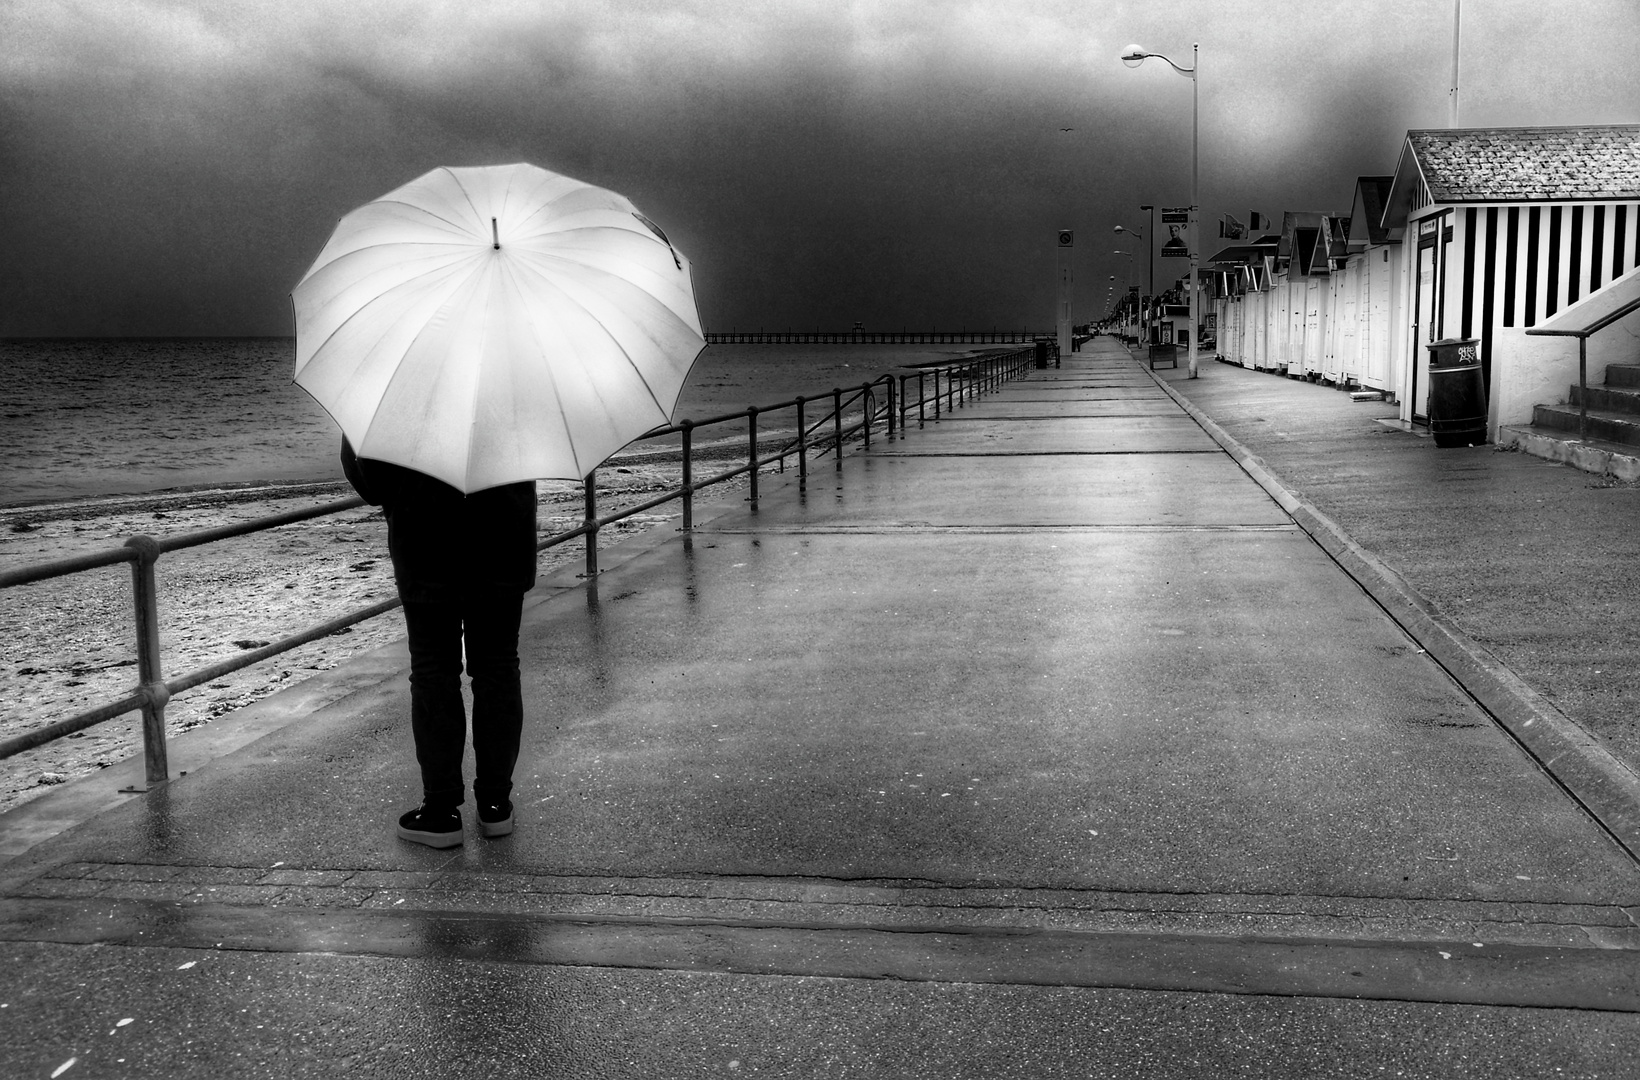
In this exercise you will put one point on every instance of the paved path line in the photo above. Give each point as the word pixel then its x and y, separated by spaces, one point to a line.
pixel 1589 774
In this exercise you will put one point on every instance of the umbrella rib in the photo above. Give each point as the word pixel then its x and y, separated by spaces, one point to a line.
pixel 636 370
pixel 420 209
pixel 558 398
pixel 547 205
pixel 465 194
pixel 361 309
pixel 477 383
pixel 432 311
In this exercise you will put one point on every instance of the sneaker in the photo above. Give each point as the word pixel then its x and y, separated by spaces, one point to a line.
pixel 495 819
pixel 437 827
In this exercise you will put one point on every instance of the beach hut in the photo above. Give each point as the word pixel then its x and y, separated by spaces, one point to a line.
pixel 1502 228
pixel 1240 304
pixel 1302 290
pixel 1367 288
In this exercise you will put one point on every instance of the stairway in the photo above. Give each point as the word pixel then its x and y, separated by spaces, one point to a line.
pixel 1613 444
pixel 1614 409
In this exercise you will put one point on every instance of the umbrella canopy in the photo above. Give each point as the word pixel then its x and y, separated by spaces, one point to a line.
pixel 488 325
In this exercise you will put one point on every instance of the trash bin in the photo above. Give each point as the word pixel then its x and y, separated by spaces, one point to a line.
pixel 1041 353
pixel 1457 393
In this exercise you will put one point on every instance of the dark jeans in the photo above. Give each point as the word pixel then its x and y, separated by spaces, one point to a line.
pixel 437 717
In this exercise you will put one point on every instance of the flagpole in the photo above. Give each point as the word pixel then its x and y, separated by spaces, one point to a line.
pixel 1195 175
pixel 1457 31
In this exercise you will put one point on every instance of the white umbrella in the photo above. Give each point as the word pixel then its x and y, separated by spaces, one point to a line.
pixel 488 325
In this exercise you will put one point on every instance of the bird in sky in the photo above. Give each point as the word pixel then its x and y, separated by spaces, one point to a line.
pixel 1067 129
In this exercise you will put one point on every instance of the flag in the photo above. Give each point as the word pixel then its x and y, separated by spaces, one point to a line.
pixel 1258 221
pixel 1231 229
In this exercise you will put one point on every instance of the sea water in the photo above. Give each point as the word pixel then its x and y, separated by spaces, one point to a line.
pixel 85 418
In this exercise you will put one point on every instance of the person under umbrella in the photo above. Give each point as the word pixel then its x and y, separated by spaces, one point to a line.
pixel 471 332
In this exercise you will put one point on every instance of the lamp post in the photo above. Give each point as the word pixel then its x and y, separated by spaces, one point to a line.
pixel 1133 56
pixel 1150 285
pixel 1140 234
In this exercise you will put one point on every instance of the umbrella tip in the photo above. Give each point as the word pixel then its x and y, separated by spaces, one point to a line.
pixel 495 234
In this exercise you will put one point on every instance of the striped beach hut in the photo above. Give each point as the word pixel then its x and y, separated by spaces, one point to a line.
pixel 1501 228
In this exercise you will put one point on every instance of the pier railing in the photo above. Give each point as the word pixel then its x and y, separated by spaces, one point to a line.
pixel 844 415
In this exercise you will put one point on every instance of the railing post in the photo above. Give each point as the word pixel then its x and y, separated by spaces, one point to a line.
pixel 868 405
pixel 751 443
pixel 922 417
pixel 936 394
pixel 837 423
pixel 590 496
pixel 802 445
pixel 688 477
pixel 145 595
pixel 891 401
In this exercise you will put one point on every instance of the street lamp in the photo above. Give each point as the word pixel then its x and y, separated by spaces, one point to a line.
pixel 1129 255
pixel 1142 237
pixel 1133 56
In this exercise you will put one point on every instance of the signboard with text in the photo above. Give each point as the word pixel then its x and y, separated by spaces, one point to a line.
pixel 1176 220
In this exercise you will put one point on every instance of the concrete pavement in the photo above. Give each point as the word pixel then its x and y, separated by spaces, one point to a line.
pixel 1041 742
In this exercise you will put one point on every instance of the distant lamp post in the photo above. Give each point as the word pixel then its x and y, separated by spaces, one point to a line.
pixel 1124 310
pixel 1129 255
pixel 1133 56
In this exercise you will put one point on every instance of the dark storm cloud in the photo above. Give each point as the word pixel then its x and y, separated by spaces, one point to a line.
pixel 174 167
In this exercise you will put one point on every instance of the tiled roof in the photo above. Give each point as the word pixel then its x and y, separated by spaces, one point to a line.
pixel 1529 164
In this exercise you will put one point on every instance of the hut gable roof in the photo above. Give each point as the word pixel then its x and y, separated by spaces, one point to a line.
pixel 1529 164
pixel 1366 217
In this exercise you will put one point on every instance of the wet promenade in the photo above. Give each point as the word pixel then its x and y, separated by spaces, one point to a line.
pixel 1040 742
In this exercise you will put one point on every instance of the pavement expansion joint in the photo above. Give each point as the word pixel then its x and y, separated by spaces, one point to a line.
pixel 897 452
pixel 981 530
pixel 1006 418
pixel 1431 970
pixel 821 903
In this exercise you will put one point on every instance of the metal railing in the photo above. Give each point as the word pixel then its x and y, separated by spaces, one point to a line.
pixel 853 413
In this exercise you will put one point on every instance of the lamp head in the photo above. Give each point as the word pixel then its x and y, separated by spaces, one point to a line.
pixel 1120 229
pixel 1134 55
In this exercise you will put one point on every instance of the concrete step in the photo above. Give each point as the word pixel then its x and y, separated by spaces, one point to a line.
pixel 1604 424
pixel 1623 375
pixel 1609 398
pixel 1595 456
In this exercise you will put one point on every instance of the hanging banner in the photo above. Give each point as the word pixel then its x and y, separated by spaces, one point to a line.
pixel 1176 220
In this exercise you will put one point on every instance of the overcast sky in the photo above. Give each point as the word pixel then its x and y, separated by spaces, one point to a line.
pixel 171 167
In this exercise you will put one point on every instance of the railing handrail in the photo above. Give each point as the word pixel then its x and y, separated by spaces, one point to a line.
pixel 153 692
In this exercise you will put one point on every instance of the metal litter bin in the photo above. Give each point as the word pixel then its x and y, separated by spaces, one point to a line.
pixel 1457 393
pixel 1041 353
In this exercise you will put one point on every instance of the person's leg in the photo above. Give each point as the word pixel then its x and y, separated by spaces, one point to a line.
pixel 438 718
pixel 491 630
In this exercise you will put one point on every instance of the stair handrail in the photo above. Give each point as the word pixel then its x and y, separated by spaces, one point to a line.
pixel 1589 316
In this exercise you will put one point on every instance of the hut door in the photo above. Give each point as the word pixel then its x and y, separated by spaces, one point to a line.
pixel 1423 324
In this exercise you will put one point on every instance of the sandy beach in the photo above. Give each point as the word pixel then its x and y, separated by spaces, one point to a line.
pixel 70 644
